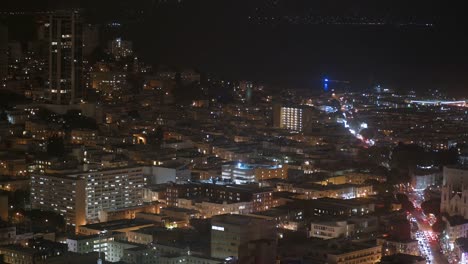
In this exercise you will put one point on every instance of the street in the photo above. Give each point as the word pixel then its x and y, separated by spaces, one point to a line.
pixel 428 241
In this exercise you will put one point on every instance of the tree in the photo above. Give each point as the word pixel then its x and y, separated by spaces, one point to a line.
pixel 56 147
pixel 405 202
pixel 431 207
pixel 159 135
pixel 404 157
pixel 447 157
pixel 73 119
pixel 134 114
pixel 439 225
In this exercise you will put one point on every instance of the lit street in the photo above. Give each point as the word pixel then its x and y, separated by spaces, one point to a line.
pixel 428 240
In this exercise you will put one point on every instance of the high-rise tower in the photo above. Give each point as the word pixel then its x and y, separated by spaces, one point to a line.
pixel 65 58
pixel 3 55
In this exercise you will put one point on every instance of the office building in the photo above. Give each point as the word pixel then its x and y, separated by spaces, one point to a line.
pixel 65 58
pixel 261 198
pixel 232 234
pixel 242 173
pixel 333 229
pixel 108 81
pixel 294 118
pixel 82 197
pixel 120 48
pixel 17 254
pixel 169 172
pixel 333 251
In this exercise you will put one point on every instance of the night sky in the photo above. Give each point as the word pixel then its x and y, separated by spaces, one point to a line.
pixel 217 36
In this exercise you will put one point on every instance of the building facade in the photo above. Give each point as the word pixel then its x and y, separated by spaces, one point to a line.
pixel 329 230
pixel 230 234
pixel 248 173
pixel 65 58
pixel 3 55
pixel 293 118
pixel 455 191
pixel 81 197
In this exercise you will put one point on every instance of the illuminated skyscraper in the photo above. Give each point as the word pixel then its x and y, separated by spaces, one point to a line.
pixel 65 57
pixel 3 54
pixel 294 118
pixel 120 48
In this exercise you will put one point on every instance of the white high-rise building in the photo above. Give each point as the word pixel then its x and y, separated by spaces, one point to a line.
pixel 295 118
pixel 3 55
pixel 291 118
pixel 80 197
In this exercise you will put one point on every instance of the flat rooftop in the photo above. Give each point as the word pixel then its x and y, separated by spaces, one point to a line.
pixel 118 224
pixel 235 219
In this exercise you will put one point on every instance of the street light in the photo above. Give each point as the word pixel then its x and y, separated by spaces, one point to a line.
pixel 101 234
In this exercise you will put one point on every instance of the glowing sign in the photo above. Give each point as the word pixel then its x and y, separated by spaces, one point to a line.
pixel 219 228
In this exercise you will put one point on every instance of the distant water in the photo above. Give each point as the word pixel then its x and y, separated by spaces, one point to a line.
pixel 226 43
pixel 219 38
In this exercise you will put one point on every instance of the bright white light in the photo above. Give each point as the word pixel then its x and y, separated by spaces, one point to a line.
pixel 219 228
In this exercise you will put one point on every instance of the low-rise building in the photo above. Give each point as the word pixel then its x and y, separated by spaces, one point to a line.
pixel 394 246
pixel 231 234
pixel 335 251
pixel 123 226
pixel 329 230
pixel 7 234
pixel 21 255
pixel 403 258
pixel 456 227
pixel 461 249
pixel 261 198
pixel 242 173
pixel 85 137
pixel 423 178
pixel 207 208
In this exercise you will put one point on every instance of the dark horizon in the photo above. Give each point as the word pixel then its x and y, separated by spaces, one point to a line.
pixel 237 46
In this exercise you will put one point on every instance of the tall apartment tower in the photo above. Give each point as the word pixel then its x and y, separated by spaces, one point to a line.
pixel 3 54
pixel 65 57
pixel 294 118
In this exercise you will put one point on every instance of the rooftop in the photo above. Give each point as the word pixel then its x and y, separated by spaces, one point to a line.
pixel 235 219
pixel 17 248
pixel 118 224
pixel 402 258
